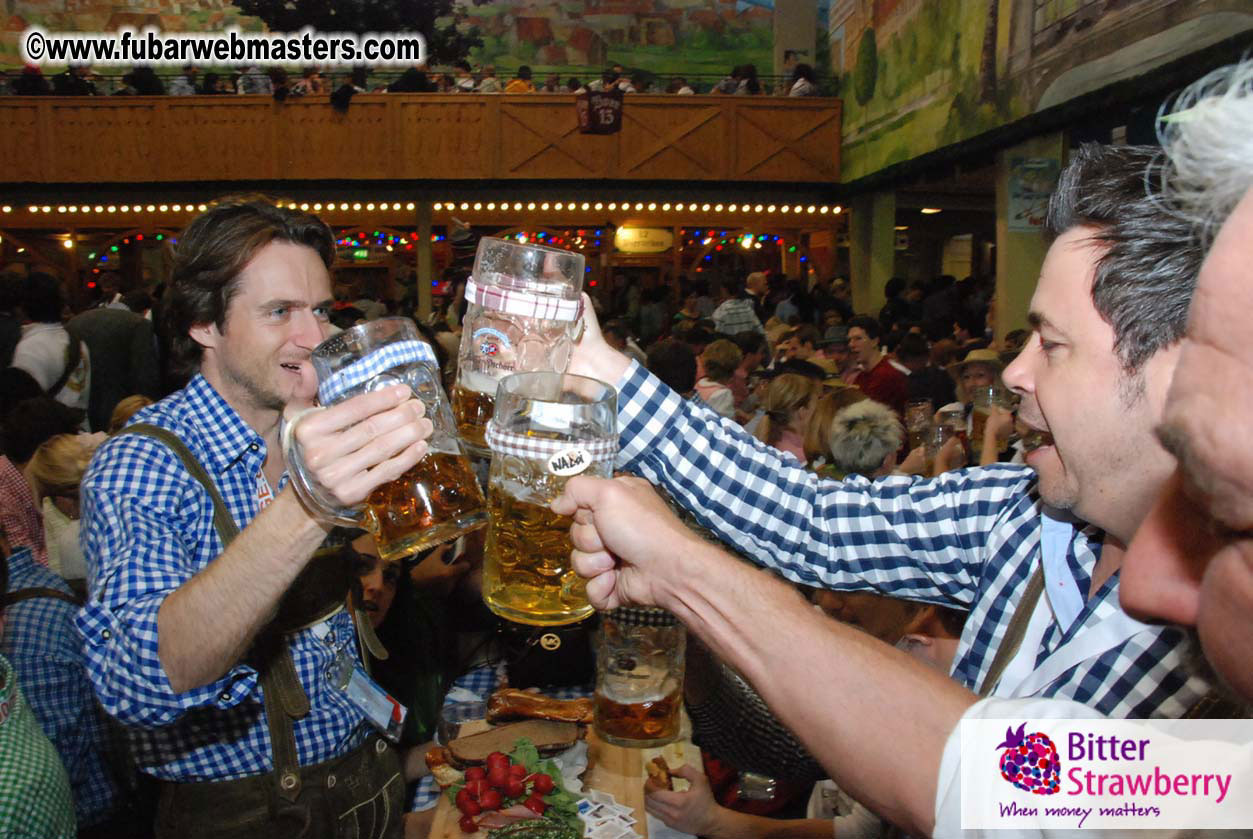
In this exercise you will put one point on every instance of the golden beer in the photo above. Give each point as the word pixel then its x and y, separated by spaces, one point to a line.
pixel 471 410
pixel 640 723
pixel 527 577
pixel 918 438
pixel 978 421
pixel 434 502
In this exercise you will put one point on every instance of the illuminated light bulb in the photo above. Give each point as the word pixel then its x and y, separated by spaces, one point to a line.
pixel 47 209
pixel 491 205
pixel 544 206
pixel 734 207
pixel 837 209
pixel 203 207
pixel 150 208
pixel 61 209
pixel 438 207
pixel 811 209
pixel 771 208
pixel 517 205
pixel 72 208
pixel 825 210
pixel 69 243
pixel 317 208
pixel 598 206
pixel 639 205
pixel 100 209
pixel 530 205
pixel 165 208
pixel 411 206
pixel 717 208
pixel 478 205
pixel 6 208
pixel 785 208
pixel 112 209
pixel 585 206
pixel 666 207
pixel 758 208
pixel 356 206
pixel 651 207
pixel 558 206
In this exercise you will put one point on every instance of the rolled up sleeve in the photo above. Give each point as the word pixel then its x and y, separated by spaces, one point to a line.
pixel 143 518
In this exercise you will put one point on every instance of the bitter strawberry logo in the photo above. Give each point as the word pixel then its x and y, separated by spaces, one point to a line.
pixel 1030 762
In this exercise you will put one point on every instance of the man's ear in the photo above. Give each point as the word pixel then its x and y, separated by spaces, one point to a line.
pixel 206 335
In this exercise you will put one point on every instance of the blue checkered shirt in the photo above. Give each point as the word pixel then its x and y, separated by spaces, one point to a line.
pixel 968 540
pixel 737 315
pixel 147 528
pixel 47 655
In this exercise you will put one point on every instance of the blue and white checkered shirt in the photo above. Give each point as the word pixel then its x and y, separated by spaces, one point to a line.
pixel 147 528
pixel 968 540
pixel 47 655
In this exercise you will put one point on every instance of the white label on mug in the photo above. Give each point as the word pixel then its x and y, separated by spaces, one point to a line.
pixel 569 462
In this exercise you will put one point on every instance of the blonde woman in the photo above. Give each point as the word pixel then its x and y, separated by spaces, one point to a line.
pixel 54 473
pixel 719 361
pixel 125 409
pixel 789 403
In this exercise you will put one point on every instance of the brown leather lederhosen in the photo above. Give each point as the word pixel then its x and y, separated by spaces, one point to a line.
pixel 359 794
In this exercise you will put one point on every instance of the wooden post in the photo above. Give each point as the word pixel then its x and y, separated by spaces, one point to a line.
pixel 426 265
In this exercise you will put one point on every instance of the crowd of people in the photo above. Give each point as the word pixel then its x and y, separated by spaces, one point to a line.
pixel 799 79
pixel 166 630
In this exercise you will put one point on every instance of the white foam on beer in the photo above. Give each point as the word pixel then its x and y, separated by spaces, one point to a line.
pixel 479 382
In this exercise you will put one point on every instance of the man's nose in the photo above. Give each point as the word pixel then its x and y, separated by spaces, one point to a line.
pixel 1019 376
pixel 310 330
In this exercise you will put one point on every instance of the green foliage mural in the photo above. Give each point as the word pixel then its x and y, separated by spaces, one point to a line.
pixel 867 71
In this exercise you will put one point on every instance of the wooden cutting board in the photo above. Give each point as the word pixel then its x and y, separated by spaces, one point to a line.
pixel 612 769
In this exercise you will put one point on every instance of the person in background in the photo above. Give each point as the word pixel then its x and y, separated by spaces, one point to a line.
pixel 674 363
pixel 818 434
pixel 737 313
pixel 863 439
pixel 753 354
pixel 184 84
pixel 310 83
pixel 749 85
pixel 729 84
pixel 58 361
pixel 123 353
pixel 552 84
pixel 26 427
pixel 35 797
pixel 75 81
pixel 125 409
pixel 619 336
pixel 877 377
pixel 465 78
pixel 926 381
pixel 680 87
pixel 488 83
pixel 789 402
pixel 55 471
pixel 719 361
pixel 803 81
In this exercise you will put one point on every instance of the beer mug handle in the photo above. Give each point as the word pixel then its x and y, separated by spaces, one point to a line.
pixel 312 494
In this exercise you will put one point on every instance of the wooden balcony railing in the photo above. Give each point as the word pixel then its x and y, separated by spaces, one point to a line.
pixel 437 137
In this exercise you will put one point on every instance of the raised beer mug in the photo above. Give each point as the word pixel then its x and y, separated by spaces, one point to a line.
pixel 438 499
pixel 523 316
pixel 639 677
pixel 546 428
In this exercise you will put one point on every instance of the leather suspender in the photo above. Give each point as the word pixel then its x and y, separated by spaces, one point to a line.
pixel 38 591
pixel 1013 634
pixel 284 697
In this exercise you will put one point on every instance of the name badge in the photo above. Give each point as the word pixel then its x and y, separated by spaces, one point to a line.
pixel 363 693
pixel 569 462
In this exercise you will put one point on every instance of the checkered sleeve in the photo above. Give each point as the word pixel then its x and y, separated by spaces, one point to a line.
pixel 140 512
pixel 922 539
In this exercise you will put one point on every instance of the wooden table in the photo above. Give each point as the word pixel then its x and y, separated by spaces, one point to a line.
pixel 612 769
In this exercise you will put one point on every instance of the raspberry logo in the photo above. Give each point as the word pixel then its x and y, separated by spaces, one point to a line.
pixel 489 348
pixel 1029 761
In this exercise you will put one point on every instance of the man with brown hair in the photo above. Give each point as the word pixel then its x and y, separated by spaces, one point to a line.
pixel 192 553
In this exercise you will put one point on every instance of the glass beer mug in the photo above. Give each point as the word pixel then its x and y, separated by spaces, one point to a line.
pixel 435 501
pixel 983 400
pixel 639 677
pixel 523 314
pixel 546 428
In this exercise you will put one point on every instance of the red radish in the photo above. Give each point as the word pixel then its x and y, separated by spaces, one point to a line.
pixel 477 788
pixel 490 800
pixel 543 784
pixel 467 825
pixel 497 776
pixel 536 805
pixel 517 771
pixel 466 803
pixel 515 788
pixel 497 759
pixel 476 773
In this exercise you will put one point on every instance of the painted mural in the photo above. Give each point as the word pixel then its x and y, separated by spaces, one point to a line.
pixel 918 75
pixel 661 37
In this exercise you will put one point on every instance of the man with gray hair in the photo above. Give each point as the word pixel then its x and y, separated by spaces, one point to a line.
pixel 864 439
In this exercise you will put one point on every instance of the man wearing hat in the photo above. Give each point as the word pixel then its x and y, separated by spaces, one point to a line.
pixel 981 368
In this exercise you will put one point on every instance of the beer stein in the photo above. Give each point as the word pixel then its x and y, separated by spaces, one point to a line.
pixel 523 315
pixel 639 677
pixel 438 499
pixel 918 419
pixel 546 428
pixel 983 399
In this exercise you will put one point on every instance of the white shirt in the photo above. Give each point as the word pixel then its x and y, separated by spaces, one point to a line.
pixel 41 352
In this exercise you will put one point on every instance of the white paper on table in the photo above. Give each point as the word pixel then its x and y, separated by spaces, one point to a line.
pixel 657 829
